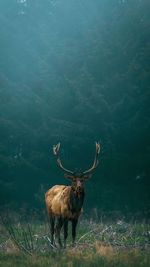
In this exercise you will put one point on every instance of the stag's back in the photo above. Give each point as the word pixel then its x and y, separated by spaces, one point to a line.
pixel 57 200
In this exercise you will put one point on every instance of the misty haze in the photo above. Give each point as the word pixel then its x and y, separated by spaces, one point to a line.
pixel 75 72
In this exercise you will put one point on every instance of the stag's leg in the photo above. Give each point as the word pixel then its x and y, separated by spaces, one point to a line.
pixel 74 225
pixel 51 220
pixel 59 224
pixel 65 231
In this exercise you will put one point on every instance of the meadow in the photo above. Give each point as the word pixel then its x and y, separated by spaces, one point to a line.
pixel 25 242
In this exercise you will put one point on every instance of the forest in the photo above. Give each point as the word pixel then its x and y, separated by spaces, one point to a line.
pixel 75 72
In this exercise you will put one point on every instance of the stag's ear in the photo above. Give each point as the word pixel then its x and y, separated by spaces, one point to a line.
pixel 88 176
pixel 69 176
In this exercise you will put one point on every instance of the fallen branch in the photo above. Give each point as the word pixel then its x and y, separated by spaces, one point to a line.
pixel 91 231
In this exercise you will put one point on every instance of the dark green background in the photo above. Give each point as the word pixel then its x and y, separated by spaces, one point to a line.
pixel 75 72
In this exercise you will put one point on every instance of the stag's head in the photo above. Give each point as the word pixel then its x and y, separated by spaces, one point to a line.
pixel 77 177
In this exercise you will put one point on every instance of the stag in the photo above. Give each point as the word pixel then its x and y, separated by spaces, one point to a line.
pixel 64 203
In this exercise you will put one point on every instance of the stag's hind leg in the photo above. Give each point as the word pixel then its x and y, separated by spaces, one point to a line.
pixel 65 231
pixel 59 223
pixel 52 225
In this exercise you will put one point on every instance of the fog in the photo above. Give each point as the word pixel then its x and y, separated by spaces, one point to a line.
pixel 75 72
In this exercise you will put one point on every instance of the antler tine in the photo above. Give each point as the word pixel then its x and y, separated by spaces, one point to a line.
pixel 56 149
pixel 95 163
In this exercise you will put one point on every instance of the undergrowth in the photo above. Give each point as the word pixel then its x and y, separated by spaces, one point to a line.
pixel 116 243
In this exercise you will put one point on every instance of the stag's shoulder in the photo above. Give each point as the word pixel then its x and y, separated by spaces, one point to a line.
pixel 57 199
pixel 57 189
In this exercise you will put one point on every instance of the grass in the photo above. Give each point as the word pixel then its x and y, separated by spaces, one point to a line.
pixel 118 244
pixel 98 256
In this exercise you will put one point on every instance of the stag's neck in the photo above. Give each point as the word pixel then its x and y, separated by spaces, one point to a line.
pixel 76 200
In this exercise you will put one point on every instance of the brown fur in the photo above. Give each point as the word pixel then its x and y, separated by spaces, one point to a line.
pixel 58 202
pixel 65 203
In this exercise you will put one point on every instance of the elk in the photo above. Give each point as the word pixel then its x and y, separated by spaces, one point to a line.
pixel 64 203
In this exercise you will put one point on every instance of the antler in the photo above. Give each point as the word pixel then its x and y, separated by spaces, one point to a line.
pixel 56 149
pixel 95 163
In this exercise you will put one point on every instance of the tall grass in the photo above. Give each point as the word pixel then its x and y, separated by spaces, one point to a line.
pixel 118 243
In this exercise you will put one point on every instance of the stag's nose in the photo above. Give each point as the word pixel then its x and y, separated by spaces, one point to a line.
pixel 79 185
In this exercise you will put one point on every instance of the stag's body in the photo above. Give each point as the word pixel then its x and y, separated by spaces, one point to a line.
pixel 64 203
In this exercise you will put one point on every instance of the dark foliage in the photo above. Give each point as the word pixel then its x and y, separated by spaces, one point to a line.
pixel 75 72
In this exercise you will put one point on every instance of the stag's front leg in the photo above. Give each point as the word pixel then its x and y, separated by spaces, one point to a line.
pixel 58 227
pixel 74 225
